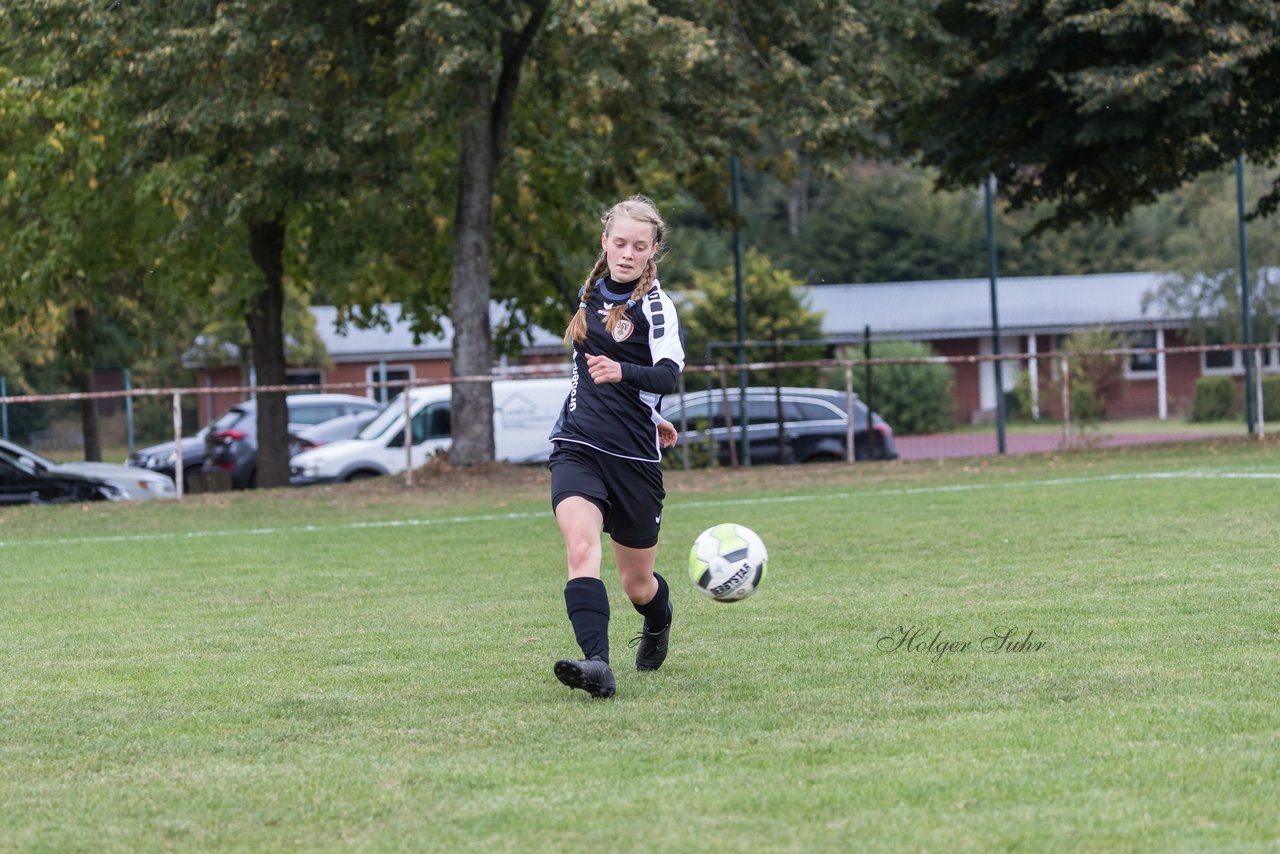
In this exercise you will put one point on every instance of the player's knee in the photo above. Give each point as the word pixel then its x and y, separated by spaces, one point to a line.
pixel 639 587
pixel 584 556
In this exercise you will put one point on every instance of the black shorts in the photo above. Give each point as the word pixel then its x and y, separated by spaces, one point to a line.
pixel 629 493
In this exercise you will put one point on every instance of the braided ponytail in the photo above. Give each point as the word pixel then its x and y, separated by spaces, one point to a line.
pixel 577 329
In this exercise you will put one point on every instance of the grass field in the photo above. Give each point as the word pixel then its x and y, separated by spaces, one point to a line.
pixel 369 667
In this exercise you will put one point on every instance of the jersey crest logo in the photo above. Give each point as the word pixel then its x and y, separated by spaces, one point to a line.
pixel 623 330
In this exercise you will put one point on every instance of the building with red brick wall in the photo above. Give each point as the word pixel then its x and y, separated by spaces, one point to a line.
pixel 1036 314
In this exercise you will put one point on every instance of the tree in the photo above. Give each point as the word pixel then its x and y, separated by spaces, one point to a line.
pixel 1094 378
pixel 584 102
pixel 249 118
pixel 775 311
pixel 72 222
pixel 1094 107
pixel 223 340
pixel 1203 276
pixel 880 221
pixel 354 123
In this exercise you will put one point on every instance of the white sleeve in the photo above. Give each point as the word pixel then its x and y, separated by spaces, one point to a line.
pixel 665 337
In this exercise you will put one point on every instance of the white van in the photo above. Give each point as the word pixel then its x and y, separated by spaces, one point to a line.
pixel 524 413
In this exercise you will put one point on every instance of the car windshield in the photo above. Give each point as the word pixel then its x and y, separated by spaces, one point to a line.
pixel 22 462
pixel 30 460
pixel 386 418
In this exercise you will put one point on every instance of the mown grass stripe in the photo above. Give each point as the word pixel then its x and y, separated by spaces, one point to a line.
pixel 1196 474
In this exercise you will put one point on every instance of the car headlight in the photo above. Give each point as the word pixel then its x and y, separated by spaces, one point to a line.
pixel 113 493
pixel 158 485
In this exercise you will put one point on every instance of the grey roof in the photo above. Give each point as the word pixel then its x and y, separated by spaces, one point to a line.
pixel 961 308
pixel 354 344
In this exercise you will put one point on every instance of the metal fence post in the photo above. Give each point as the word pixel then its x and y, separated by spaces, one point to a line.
pixel 128 409
pixel 4 411
pixel 871 433
pixel 178 467
pixel 849 409
pixel 728 415
pixel 684 426
pixel 1257 397
pixel 408 439
pixel 1066 400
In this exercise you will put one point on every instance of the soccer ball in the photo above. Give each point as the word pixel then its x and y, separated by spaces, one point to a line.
pixel 728 562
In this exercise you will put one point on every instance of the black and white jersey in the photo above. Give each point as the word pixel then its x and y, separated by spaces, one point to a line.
pixel 619 418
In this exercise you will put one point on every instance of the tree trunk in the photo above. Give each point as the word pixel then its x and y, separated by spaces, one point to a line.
pixel 266 336
pixel 472 354
pixel 83 350
pixel 484 127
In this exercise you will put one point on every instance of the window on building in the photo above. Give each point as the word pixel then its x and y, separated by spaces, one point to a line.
pixel 397 379
pixel 1219 361
pixel 1271 355
pixel 304 377
pixel 1142 363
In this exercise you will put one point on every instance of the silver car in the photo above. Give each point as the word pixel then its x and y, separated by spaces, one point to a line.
pixel 137 484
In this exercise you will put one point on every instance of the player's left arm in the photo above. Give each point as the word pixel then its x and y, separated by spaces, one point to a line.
pixel 666 347
pixel 662 378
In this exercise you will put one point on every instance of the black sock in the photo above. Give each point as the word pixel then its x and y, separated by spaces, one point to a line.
pixel 655 611
pixel 588 605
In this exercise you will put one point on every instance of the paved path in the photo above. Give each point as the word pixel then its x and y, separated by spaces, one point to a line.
pixel 978 445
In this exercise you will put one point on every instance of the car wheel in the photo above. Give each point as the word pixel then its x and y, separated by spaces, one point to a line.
pixel 363 474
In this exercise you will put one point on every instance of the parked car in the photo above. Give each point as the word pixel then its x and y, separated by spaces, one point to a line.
pixel 163 459
pixel 524 411
pixel 137 484
pixel 231 444
pixel 25 480
pixel 333 430
pixel 814 424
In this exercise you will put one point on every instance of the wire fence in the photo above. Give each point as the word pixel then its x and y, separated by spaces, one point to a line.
pixel 1044 402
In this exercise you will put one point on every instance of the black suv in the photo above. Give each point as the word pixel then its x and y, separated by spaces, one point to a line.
pixel 814 424
pixel 231 443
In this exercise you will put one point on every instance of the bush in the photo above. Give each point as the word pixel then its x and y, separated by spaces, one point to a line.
pixel 912 398
pixel 1271 402
pixel 1017 402
pixel 1087 406
pixel 1215 400
pixel 1095 378
pixel 702 451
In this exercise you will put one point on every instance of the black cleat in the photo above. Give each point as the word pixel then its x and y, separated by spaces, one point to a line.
pixel 591 675
pixel 653 646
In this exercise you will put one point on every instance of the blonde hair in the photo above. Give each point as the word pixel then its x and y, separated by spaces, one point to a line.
pixel 640 209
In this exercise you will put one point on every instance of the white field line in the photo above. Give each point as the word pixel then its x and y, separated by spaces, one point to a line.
pixel 1191 474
